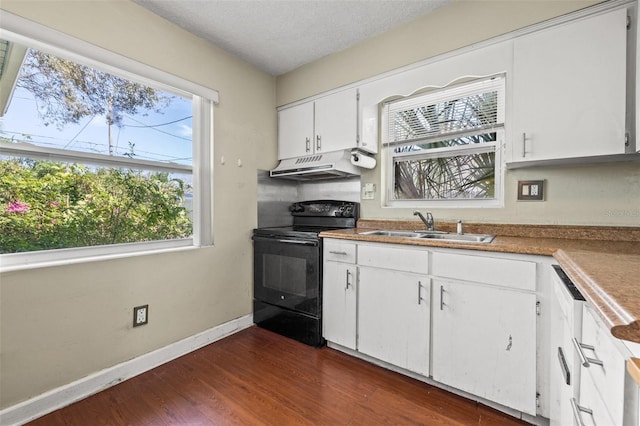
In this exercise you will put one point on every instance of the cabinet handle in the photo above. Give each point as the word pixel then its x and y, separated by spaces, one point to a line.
pixel 348 280
pixel 419 293
pixel 577 409
pixel 307 145
pixel 441 298
pixel 341 253
pixel 585 360
pixel 318 142
pixel 524 145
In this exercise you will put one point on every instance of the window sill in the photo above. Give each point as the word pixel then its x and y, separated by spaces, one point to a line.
pixel 44 259
pixel 456 204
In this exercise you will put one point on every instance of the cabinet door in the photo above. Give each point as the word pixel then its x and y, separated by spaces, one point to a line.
pixel 484 342
pixel 339 303
pixel 336 121
pixel 569 90
pixel 295 131
pixel 393 317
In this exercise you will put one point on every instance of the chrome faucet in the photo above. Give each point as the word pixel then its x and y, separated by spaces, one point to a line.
pixel 428 222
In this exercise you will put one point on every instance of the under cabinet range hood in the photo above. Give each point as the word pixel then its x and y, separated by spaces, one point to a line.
pixel 326 165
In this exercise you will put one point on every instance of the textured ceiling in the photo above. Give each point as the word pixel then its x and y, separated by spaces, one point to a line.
pixel 278 36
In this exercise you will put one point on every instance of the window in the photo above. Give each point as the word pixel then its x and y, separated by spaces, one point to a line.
pixel 99 155
pixel 444 146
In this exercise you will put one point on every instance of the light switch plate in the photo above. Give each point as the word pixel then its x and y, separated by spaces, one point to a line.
pixel 530 190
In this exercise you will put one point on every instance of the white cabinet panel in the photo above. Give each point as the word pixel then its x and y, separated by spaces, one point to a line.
pixel 327 124
pixel 339 303
pixel 295 131
pixel 393 317
pixel 336 121
pixel 484 342
pixel 496 271
pixel 400 259
pixel 609 377
pixel 569 90
pixel 339 251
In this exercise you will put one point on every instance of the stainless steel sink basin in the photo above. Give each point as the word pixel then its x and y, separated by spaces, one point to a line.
pixel 401 234
pixel 433 235
pixel 462 238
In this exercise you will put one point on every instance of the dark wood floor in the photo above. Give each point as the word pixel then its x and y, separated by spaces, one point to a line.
pixel 256 377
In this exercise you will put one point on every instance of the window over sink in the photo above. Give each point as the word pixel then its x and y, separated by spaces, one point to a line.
pixel 443 147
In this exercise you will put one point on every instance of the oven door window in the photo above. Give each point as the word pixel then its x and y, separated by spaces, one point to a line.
pixel 287 274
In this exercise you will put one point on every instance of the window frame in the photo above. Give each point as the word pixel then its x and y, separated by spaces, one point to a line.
pixel 31 34
pixel 439 94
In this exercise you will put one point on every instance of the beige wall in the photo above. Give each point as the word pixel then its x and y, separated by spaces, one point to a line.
pixel 605 194
pixel 62 323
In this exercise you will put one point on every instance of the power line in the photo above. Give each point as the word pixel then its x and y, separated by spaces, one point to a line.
pixel 160 131
pixel 156 125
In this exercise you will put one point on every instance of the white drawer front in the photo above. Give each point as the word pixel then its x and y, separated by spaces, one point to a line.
pixel 590 400
pixel 608 378
pixel 400 259
pixel 339 251
pixel 518 274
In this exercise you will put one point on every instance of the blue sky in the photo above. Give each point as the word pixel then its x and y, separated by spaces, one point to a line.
pixel 153 139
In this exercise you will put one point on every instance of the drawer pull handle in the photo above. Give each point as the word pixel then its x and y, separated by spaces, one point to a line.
pixel 564 367
pixel 441 298
pixel 419 293
pixel 348 280
pixel 577 409
pixel 585 360
pixel 341 253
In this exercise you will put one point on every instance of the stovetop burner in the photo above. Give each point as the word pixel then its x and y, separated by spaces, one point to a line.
pixel 312 217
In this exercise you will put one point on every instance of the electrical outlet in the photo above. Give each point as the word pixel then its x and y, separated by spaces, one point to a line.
pixel 140 315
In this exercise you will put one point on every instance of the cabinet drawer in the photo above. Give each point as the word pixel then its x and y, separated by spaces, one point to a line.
pixel 608 378
pixel 339 251
pixel 593 408
pixel 518 274
pixel 399 259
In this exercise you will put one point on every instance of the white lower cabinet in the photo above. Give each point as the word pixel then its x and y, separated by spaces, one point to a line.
pixel 393 317
pixel 339 294
pixel 484 342
pixel 416 308
pixel 608 395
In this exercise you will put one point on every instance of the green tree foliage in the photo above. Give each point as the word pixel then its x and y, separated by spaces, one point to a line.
pixel 47 205
pixel 67 91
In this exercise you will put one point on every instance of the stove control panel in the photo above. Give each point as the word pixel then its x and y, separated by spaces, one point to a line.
pixel 325 208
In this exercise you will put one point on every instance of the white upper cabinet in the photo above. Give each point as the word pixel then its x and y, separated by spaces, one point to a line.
pixel 295 131
pixel 569 90
pixel 329 123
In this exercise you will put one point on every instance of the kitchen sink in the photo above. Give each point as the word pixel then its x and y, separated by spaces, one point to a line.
pixel 433 235
pixel 401 234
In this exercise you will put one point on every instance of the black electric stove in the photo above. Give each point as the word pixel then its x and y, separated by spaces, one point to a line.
pixel 288 269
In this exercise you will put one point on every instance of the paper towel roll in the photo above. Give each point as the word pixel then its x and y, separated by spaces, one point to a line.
pixel 364 161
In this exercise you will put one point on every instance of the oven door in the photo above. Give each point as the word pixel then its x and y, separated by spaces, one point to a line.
pixel 287 273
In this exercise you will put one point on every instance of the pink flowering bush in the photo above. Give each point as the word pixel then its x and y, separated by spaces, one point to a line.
pixel 50 205
pixel 17 207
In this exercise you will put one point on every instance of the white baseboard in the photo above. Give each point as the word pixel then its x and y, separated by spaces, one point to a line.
pixel 64 395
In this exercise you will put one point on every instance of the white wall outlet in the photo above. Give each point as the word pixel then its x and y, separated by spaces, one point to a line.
pixel 140 315
pixel 368 191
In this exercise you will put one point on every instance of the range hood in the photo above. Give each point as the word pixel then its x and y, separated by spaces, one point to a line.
pixel 326 165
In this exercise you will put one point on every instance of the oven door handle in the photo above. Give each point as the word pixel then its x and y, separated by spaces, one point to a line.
pixel 301 242
pixel 284 241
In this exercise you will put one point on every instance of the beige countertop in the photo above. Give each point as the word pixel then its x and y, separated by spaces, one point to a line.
pixel 603 262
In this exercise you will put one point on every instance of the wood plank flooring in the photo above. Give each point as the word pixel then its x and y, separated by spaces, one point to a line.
pixel 256 377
